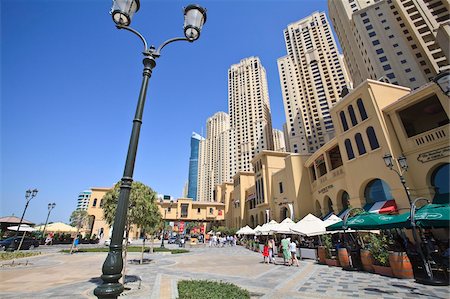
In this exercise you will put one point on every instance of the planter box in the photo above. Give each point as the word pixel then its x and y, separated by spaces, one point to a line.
pixel 343 257
pixel 385 271
pixel 400 264
pixel 367 260
pixel 322 252
pixel 332 262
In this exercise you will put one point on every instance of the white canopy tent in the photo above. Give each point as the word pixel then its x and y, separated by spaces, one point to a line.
pixel 310 225
pixel 246 230
pixel 23 228
pixel 256 230
pixel 267 228
pixel 284 227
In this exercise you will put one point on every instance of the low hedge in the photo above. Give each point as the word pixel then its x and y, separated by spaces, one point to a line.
pixel 16 255
pixel 193 289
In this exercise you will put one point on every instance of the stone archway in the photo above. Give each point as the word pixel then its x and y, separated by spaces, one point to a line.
pixel 318 209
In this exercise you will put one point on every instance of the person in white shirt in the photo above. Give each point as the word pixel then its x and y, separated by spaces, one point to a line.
pixel 293 250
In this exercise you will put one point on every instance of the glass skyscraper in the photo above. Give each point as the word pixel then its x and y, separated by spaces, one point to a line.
pixel 193 166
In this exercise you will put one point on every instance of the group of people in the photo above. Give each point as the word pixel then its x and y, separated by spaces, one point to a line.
pixel 288 248
pixel 221 241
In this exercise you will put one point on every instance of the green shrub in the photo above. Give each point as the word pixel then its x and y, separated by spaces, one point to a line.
pixel 379 248
pixel 193 289
pixel 326 240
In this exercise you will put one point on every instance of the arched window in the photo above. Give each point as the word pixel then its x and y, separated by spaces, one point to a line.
pixel 352 115
pixel 372 138
pixel 330 205
pixel 362 110
pixel 345 199
pixel 349 148
pixel 377 190
pixel 360 144
pixel 94 204
pixel 343 120
pixel 440 182
pixel 318 209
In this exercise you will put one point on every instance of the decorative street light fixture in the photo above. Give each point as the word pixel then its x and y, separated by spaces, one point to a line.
pixel 403 166
pixel 29 195
pixel 51 206
pixel 164 221
pixel 122 12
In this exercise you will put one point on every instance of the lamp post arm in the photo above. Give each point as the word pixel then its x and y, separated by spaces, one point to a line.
pixel 157 53
pixel 344 225
pixel 136 33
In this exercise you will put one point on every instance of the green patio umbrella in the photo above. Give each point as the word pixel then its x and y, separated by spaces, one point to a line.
pixel 431 215
pixel 368 221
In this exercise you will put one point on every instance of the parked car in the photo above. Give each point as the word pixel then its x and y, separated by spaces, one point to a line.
pixel 173 240
pixel 108 242
pixel 28 243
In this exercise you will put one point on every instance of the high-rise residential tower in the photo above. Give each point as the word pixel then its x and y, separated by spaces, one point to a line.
pixel 83 200
pixel 403 42
pixel 278 141
pixel 193 166
pixel 214 156
pixel 312 76
pixel 249 110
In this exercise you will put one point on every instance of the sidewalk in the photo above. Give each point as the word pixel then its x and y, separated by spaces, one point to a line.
pixel 60 275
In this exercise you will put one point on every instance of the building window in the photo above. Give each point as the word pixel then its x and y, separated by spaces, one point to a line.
pixel 345 200
pixel 372 138
pixel 362 109
pixel 343 121
pixel 321 166
pixel 380 51
pixel 423 116
pixel 211 210
pixel 94 204
pixel 280 184
pixel 440 181
pixel 360 144
pixel 352 115
pixel 383 59
pixel 335 157
pixel 377 190
pixel 198 210
pixel 349 149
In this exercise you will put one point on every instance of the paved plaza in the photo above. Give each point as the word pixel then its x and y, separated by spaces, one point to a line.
pixel 58 275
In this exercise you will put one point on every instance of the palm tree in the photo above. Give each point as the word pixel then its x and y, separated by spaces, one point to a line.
pixel 142 212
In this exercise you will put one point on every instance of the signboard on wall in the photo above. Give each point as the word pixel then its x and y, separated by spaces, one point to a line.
pixel 434 155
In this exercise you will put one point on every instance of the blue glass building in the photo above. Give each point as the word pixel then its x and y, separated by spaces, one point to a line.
pixel 193 166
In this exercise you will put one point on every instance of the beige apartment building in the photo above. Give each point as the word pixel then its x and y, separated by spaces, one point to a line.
pixel 249 110
pixel 373 120
pixel 278 141
pixel 182 209
pixel 404 42
pixel 312 76
pixel 213 162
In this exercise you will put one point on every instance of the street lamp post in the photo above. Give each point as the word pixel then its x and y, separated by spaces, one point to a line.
pixel 122 13
pixel 51 206
pixel 403 168
pixel 164 227
pixel 29 195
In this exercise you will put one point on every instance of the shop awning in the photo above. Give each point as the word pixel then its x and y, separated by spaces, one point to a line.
pixel 382 207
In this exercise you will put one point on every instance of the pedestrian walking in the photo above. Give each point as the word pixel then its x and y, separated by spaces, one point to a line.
pixel 293 250
pixel 271 245
pixel 285 249
pixel 266 252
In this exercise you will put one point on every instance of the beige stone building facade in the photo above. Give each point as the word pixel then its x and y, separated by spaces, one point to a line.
pixel 312 76
pixel 182 209
pixel 373 120
pixel 279 145
pixel 249 110
pixel 405 42
pixel 213 165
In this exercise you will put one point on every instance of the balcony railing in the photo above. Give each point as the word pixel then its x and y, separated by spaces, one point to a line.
pixel 435 135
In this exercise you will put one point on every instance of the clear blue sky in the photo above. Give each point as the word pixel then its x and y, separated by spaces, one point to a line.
pixel 70 82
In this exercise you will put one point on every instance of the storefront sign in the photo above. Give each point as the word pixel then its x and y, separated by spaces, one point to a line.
pixel 434 155
pixel 325 189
